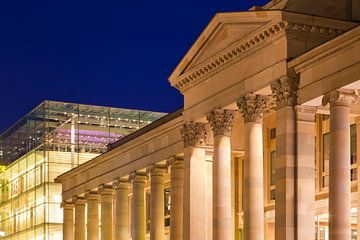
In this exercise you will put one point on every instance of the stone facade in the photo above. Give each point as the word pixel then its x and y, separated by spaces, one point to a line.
pixel 282 168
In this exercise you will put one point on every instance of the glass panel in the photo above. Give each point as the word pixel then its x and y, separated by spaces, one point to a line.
pixel 52 139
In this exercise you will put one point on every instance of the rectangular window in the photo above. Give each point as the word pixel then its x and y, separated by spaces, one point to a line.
pixel 167 206
pixel 353 150
pixel 272 172
pixel 272 133
pixel 147 204
pixel 325 160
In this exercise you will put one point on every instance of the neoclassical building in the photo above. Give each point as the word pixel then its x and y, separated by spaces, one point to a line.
pixel 265 147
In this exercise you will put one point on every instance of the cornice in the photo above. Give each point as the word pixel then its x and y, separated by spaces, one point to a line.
pixel 311 62
pixel 245 48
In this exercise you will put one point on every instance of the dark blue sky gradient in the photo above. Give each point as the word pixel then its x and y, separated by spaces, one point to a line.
pixel 113 53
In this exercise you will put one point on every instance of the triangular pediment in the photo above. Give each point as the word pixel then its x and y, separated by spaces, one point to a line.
pixel 223 31
pixel 225 35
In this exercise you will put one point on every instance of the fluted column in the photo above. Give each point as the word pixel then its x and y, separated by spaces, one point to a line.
pixel 79 217
pixel 339 165
pixel 221 121
pixel 106 193
pixel 138 221
pixel 285 92
pixel 253 108
pixel 92 200
pixel 157 228
pixel 68 222
pixel 121 187
pixel 177 195
pixel 195 209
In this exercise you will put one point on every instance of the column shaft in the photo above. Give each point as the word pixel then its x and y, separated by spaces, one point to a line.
pixel 138 221
pixel 122 210
pixel 106 192
pixel 194 194
pixel 92 199
pixel 305 172
pixel 157 231
pixel 68 223
pixel 339 174
pixel 177 192
pixel 285 173
pixel 222 221
pixel 79 219
pixel 253 182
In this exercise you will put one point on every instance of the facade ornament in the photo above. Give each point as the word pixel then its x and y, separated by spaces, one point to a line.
pixel 120 183
pixel 221 121
pixel 341 97
pixel 138 177
pixel 253 107
pixel 284 90
pixel 193 134
pixel 67 204
pixel 92 195
pixel 175 162
pixel 157 170
pixel 106 189
pixel 79 200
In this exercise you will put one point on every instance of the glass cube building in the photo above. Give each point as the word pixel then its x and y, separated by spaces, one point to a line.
pixel 50 140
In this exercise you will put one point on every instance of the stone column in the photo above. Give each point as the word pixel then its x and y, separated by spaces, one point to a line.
pixel 357 120
pixel 106 193
pixel 194 220
pixel 221 121
pixel 157 228
pixel 121 187
pixel 339 165
pixel 92 199
pixel 285 92
pixel 253 108
pixel 177 195
pixel 138 221
pixel 68 222
pixel 79 218
pixel 305 172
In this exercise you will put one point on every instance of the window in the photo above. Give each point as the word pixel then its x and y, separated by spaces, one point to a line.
pixel 271 163
pixel 272 174
pixel 167 206
pixel 147 204
pixel 353 150
pixel 325 160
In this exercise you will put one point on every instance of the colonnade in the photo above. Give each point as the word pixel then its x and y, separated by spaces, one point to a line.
pixel 115 196
pixel 295 180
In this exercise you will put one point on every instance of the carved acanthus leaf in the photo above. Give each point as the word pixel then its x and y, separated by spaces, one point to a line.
pixel 284 90
pixel 193 134
pixel 340 97
pixel 221 121
pixel 253 107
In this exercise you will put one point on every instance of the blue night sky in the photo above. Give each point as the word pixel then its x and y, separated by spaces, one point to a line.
pixel 112 53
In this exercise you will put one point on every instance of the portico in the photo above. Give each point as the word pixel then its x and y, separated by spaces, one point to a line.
pixel 243 156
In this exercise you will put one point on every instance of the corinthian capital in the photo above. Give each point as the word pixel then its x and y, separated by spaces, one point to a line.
pixel 221 121
pixel 253 107
pixel 193 134
pixel 340 97
pixel 284 90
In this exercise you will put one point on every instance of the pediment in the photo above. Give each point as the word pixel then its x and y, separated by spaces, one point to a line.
pixel 223 36
pixel 223 31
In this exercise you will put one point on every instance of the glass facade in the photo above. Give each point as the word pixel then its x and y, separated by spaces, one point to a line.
pixel 52 139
